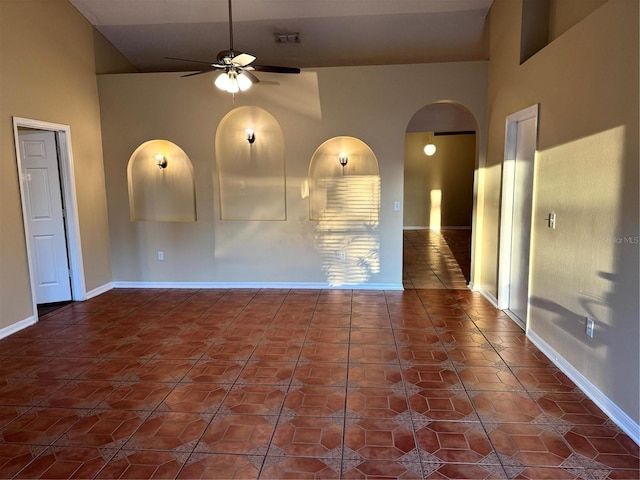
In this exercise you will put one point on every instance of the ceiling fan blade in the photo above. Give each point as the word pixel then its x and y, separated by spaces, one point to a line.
pixel 243 59
pixel 251 76
pixel 275 69
pixel 198 73
pixel 230 62
pixel 188 60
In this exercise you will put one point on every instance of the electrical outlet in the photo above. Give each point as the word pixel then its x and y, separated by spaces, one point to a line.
pixel 161 256
pixel 343 256
pixel 396 206
pixel 588 327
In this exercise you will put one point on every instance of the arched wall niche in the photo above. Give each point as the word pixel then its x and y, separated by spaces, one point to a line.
pixel 161 194
pixel 251 176
pixel 345 203
pixel 353 189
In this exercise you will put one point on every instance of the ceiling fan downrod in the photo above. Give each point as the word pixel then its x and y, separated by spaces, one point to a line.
pixel 230 30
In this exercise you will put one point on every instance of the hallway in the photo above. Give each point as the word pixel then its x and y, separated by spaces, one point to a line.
pixel 430 382
pixel 436 259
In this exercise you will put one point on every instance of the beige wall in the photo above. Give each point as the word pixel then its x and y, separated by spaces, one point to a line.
pixel 586 83
pixel 311 108
pixel 108 58
pixel 564 14
pixel 47 73
pixel 449 171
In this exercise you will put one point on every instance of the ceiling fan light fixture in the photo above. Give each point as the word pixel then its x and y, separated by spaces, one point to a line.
pixel 233 82
pixel 223 81
pixel 244 82
pixel 235 66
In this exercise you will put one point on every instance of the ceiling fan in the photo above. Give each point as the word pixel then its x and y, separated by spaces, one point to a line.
pixel 236 67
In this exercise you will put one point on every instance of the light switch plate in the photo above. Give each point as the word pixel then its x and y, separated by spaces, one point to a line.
pixel 589 324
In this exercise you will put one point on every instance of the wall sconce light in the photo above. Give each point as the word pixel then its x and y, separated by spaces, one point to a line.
pixel 161 161
pixel 343 158
pixel 251 135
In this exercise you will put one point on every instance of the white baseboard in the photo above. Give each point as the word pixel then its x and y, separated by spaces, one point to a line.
pixel 493 300
pixel 283 285
pixel 620 418
pixel 99 290
pixel 33 319
pixel 16 327
pixel 626 423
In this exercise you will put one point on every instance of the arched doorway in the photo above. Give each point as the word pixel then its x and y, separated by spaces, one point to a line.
pixel 439 164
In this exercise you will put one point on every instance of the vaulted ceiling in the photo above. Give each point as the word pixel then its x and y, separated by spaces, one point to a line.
pixel 331 32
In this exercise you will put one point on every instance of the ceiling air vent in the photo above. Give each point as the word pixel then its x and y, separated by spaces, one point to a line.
pixel 293 37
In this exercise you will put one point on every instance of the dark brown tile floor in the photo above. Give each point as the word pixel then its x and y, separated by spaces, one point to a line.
pixel 431 382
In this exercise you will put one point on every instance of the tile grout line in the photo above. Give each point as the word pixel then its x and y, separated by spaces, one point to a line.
pixel 404 388
pixel 346 389
pixel 273 434
pixel 151 412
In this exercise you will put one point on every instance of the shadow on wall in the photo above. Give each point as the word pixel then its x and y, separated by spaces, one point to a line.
pixel 587 266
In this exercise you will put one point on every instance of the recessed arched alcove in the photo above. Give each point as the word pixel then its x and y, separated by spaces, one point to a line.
pixel 161 183
pixel 344 199
pixel 353 189
pixel 250 161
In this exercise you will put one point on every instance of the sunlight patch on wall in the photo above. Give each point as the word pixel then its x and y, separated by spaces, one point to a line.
pixel 435 213
pixel 345 200
pixel 302 98
pixel 576 264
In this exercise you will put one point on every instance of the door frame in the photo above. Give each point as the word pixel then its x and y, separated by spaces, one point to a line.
pixel 68 187
pixel 508 194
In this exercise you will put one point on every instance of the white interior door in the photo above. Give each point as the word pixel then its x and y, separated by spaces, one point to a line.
pixel 517 206
pixel 521 226
pixel 45 216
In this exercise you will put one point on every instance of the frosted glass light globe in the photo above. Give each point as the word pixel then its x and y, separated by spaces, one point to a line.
pixel 429 149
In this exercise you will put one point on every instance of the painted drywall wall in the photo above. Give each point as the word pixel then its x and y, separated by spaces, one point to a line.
pixel 442 117
pixel 564 14
pixel 438 189
pixel 109 59
pixel 373 104
pixel 586 83
pixel 47 73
